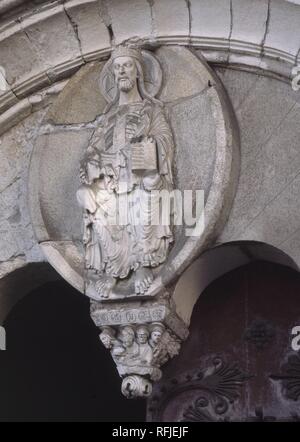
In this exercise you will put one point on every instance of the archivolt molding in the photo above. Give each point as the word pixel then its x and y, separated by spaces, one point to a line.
pixel 50 41
pixel 33 103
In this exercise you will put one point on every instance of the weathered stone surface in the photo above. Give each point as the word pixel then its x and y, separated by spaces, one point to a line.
pixel 38 61
pixel 16 234
pixel 20 59
pixel 57 184
pixel 266 206
pixel 27 106
pixel 86 104
pixel 92 34
pixel 249 20
pixel 210 18
pixel 272 101
pixel 129 20
pixel 283 27
pixel 238 85
pixel 265 108
pixel 195 137
pixel 279 220
pixel 174 62
pixel 170 18
pixel 280 156
pixel 33 53
pixel 53 48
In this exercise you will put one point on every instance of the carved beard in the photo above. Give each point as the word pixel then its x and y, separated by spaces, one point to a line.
pixel 125 84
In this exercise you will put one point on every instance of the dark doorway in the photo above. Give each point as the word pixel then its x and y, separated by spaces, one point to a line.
pixel 55 367
pixel 238 363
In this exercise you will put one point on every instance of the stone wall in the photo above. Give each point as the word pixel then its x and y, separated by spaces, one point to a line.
pixel 252 45
pixel 266 206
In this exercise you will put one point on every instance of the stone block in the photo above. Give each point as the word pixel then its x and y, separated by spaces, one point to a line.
pixel 210 18
pixel 283 31
pixel 53 37
pixel 20 59
pixel 249 21
pixel 170 18
pixel 93 36
pixel 130 19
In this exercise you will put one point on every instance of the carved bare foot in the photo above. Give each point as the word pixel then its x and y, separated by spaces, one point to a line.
pixel 143 280
pixel 105 285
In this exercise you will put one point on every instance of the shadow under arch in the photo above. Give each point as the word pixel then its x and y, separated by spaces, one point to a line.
pixel 54 367
pixel 17 284
pixel 218 261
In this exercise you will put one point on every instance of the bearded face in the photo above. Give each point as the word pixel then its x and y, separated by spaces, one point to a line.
pixel 125 84
pixel 125 72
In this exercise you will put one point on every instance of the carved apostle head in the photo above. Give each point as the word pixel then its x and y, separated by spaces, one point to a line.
pixel 107 337
pixel 157 332
pixel 142 334
pixel 127 336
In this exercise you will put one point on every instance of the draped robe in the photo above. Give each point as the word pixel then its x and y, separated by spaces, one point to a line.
pixel 118 249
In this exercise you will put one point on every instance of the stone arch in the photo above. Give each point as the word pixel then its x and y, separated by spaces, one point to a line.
pixel 218 261
pixel 260 34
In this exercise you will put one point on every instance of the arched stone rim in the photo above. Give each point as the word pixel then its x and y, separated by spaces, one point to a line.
pixel 216 262
pixel 274 56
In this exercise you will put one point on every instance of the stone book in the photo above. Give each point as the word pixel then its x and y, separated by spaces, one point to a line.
pixel 144 156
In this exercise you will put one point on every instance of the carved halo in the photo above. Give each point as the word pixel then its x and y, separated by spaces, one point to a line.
pixel 152 77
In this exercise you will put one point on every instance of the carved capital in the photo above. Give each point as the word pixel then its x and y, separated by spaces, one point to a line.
pixel 139 350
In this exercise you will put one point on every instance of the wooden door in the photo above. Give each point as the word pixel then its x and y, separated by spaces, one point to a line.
pixel 238 363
